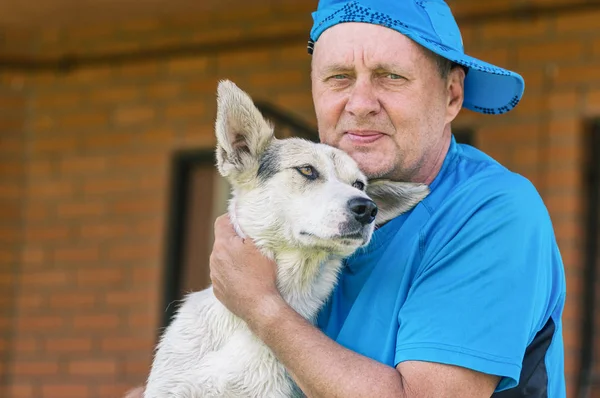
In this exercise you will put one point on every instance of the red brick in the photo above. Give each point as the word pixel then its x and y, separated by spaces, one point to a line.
pixel 124 344
pixel 105 229
pixel 94 75
pixel 29 323
pixel 230 62
pixel 146 274
pixel 146 72
pixel 68 345
pixel 89 277
pixel 82 164
pixel 163 90
pixel 6 280
pixel 10 211
pixel 115 95
pixel 9 145
pixel 7 256
pixel 43 123
pixel 503 29
pixel 38 368
pixel 51 189
pixel 128 116
pixel 57 100
pixel 52 278
pixel 40 167
pixel 105 186
pixel 564 100
pixel 65 391
pixel 10 190
pixel 188 65
pixel 188 109
pixel 284 78
pixel 11 170
pixel 138 321
pixel 25 345
pixel 578 74
pixel 93 367
pixel 139 161
pixel 96 322
pixel 578 22
pixel 73 301
pixel 54 145
pixel 130 298
pixel 86 120
pixel 202 86
pixel 21 390
pixel 80 210
pixel 554 51
pixel 138 367
pixel 31 301
pixel 138 206
pixel 596 48
pixel 159 137
pixel 592 102
pixel 76 254
pixel 132 251
pixel 33 256
pixel 107 142
pixel 45 234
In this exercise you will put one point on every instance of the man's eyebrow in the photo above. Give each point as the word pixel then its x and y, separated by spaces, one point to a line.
pixel 336 68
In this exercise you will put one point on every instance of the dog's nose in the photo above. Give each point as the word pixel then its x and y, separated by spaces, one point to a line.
pixel 363 209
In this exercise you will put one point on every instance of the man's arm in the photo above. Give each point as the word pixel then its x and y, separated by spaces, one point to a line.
pixel 245 282
pixel 323 368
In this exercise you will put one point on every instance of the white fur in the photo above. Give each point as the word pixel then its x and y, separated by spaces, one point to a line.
pixel 207 351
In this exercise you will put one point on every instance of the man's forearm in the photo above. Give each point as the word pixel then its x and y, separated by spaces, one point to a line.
pixel 320 366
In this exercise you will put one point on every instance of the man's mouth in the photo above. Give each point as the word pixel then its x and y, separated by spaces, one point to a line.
pixel 363 137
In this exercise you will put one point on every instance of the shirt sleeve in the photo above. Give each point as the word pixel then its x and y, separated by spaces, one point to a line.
pixel 483 287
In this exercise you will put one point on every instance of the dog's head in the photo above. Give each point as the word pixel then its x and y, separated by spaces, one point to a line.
pixel 296 193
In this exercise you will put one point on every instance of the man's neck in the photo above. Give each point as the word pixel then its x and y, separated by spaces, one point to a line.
pixel 429 172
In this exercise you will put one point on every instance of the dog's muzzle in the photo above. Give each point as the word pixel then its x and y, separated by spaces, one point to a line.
pixel 364 210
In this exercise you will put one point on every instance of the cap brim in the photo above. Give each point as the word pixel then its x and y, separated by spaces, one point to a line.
pixel 489 89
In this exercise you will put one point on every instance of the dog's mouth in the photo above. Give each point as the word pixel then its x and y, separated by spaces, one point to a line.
pixel 346 236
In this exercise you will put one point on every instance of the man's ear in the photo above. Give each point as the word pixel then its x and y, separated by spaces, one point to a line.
pixel 394 198
pixel 242 132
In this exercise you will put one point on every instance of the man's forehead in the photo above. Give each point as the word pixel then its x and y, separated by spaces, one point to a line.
pixel 344 45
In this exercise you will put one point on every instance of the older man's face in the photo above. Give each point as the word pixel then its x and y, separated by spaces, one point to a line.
pixel 380 97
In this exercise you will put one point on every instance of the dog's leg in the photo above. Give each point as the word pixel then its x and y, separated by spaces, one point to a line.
pixel 199 327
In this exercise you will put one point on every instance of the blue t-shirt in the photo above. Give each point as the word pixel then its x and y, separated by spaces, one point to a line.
pixel 472 276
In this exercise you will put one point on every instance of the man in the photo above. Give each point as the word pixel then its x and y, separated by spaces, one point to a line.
pixel 460 297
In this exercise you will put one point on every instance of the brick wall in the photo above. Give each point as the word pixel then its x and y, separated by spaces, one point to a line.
pixel 12 173
pixel 98 141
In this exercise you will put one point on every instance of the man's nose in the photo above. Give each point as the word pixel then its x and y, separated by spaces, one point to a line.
pixel 363 99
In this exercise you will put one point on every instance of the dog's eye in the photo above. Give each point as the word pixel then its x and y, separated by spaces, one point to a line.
pixel 308 172
pixel 359 185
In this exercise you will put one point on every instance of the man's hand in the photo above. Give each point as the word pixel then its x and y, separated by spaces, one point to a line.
pixel 243 279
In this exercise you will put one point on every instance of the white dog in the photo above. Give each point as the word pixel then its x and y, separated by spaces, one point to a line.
pixel 306 206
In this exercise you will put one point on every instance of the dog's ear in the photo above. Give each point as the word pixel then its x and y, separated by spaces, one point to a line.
pixel 394 198
pixel 242 132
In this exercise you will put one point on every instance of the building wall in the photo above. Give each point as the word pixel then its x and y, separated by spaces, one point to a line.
pixel 90 165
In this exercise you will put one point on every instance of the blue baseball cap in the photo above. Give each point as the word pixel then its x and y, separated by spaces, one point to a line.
pixel 488 88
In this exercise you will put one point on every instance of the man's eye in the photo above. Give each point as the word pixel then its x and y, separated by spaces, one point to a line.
pixel 359 185
pixel 394 76
pixel 308 172
pixel 339 77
